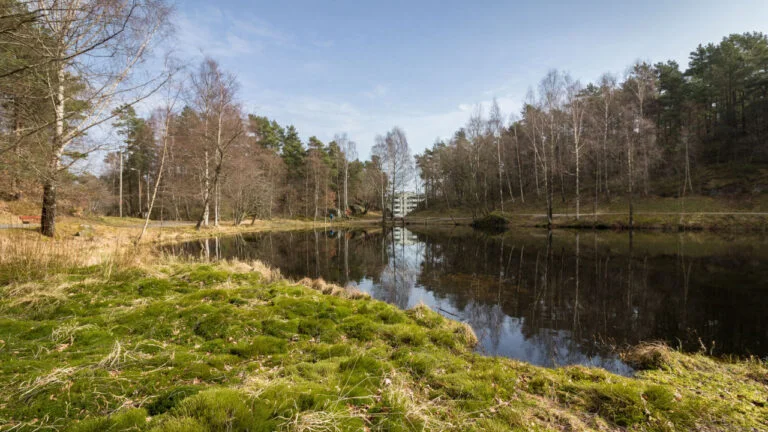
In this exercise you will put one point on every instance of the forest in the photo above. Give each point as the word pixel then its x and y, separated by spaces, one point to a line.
pixel 615 137
pixel 176 143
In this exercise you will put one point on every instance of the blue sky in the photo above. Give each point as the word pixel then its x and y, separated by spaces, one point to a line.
pixel 362 67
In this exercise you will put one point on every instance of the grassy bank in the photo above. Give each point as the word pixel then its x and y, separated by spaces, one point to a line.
pixel 111 230
pixel 695 213
pixel 171 346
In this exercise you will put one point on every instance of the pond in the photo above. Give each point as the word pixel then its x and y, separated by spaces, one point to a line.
pixel 548 299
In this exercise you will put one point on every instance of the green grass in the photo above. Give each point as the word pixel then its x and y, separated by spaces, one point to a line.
pixel 184 347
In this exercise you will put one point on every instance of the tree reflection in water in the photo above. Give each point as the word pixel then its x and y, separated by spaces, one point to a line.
pixel 546 298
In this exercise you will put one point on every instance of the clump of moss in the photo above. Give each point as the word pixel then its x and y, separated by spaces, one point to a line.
pixel 171 398
pixel 260 345
pixel 221 410
pixel 198 348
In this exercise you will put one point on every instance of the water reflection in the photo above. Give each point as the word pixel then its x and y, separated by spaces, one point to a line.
pixel 549 299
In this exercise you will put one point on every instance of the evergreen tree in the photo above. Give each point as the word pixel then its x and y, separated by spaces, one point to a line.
pixel 293 150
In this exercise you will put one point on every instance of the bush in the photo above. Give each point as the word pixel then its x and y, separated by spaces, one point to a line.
pixel 493 220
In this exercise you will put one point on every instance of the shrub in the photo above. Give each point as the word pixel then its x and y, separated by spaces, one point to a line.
pixel 493 220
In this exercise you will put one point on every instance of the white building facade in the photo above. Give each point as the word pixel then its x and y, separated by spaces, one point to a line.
pixel 405 203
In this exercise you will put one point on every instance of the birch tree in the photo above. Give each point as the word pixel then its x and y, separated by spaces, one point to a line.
pixel 577 105
pixel 214 97
pixel 551 94
pixel 395 154
pixel 496 126
pixel 348 153
pixel 87 51
pixel 163 119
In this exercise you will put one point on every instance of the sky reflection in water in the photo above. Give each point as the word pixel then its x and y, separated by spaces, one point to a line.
pixel 564 299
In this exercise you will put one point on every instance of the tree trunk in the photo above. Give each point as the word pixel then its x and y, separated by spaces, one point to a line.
pixel 519 168
pixel 605 153
pixel 630 183
pixel 48 216
pixel 216 204
pixel 157 186
pixel 206 193
pixel 383 202
pixel 551 182
pixel 121 183
pixel 346 180
pixel 17 124
pixel 501 175
pixel 138 181
pixel 578 191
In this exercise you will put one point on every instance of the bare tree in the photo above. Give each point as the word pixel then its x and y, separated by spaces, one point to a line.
pixel 163 118
pixel 607 91
pixel 551 95
pixel 348 153
pixel 496 126
pixel 378 158
pixel 642 84
pixel 86 51
pixel 513 120
pixel 577 104
pixel 214 97
pixel 476 137
pixel 396 157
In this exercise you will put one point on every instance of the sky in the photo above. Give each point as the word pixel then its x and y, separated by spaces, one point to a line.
pixel 362 67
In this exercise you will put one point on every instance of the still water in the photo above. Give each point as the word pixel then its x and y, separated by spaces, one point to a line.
pixel 565 298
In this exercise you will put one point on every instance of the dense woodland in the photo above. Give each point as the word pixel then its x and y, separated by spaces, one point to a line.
pixel 71 69
pixel 593 142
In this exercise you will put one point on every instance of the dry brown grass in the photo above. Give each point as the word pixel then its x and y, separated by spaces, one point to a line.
pixel 24 258
pixel 27 256
pixel 316 421
pixel 468 335
pixel 648 356
pixel 326 288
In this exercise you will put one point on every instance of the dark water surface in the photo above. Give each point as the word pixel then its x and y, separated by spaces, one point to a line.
pixel 568 298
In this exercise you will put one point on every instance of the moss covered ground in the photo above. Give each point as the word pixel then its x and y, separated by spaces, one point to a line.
pixel 234 347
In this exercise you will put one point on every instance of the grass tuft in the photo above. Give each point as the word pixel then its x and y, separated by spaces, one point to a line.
pixel 648 356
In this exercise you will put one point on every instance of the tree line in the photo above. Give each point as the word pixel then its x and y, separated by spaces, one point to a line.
pixel 224 163
pixel 573 142
pixel 69 69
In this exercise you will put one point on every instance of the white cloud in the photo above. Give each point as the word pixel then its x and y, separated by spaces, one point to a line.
pixel 363 115
pixel 238 45
pixel 213 32
pixel 378 91
pixel 324 117
pixel 256 27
